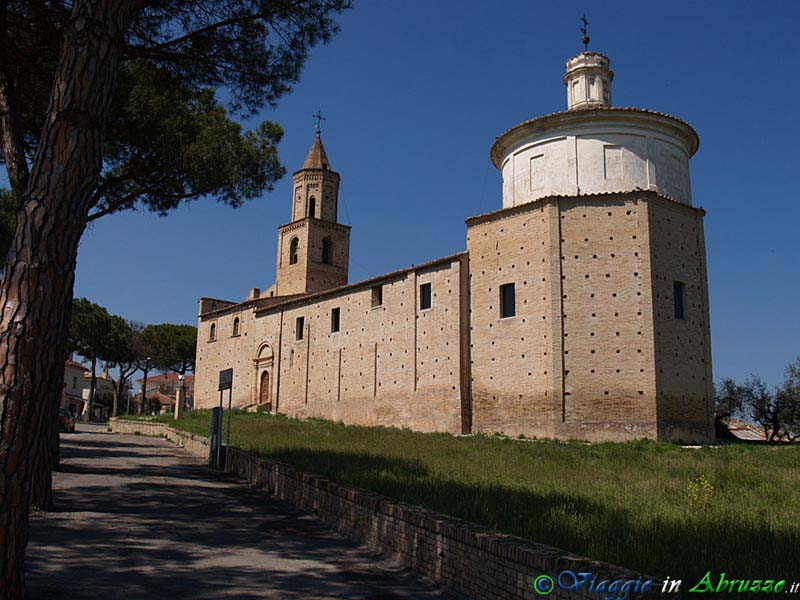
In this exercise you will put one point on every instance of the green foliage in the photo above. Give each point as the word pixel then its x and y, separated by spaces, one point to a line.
pixel 774 410
pixel 728 399
pixel 170 144
pixel 171 347
pixel 791 389
pixel 90 329
pixel 254 49
pixel 169 140
pixel 153 406
pixel 626 503
pixel 122 344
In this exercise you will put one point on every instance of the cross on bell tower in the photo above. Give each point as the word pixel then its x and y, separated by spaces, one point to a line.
pixel 319 119
pixel 585 32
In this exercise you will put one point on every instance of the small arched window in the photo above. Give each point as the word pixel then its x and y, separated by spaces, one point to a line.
pixel 212 332
pixel 236 326
pixel 312 207
pixel 293 245
pixel 327 251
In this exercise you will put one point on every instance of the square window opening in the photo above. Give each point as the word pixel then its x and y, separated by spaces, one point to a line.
pixel 377 296
pixel 508 303
pixel 425 296
pixel 678 290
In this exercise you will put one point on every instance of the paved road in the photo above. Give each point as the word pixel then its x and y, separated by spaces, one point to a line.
pixel 138 518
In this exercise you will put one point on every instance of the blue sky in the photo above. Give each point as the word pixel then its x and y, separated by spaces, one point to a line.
pixel 415 93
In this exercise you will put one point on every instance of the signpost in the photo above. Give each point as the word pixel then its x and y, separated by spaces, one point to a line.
pixel 225 383
pixel 216 435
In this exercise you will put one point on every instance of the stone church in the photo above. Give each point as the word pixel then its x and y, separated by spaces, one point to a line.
pixel 579 309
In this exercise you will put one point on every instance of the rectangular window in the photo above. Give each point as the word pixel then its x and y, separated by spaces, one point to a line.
pixel 377 296
pixel 298 328
pixel 508 302
pixel 425 296
pixel 335 320
pixel 677 293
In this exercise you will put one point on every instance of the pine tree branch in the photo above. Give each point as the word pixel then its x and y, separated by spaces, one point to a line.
pixel 12 139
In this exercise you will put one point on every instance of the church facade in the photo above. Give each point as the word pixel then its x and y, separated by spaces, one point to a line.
pixel 579 309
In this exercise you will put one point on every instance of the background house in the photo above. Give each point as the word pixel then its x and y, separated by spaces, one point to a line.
pixel 74 383
pixel 103 394
pixel 163 387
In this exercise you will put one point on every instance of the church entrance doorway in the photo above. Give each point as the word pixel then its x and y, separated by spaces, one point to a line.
pixel 264 396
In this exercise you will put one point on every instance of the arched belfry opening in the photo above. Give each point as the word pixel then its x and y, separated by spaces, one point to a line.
pixel 312 207
pixel 293 246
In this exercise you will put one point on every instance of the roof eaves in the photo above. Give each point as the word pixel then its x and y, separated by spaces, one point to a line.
pixel 363 283
pixel 520 208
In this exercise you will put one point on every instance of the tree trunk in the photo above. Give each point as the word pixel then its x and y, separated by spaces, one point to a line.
pixel 46 459
pixel 143 405
pixel 36 291
pixel 92 391
pixel 119 389
pixel 115 403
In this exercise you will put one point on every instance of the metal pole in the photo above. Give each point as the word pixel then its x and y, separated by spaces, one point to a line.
pixel 219 437
pixel 228 441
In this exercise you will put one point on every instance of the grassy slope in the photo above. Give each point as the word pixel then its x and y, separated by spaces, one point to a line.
pixel 627 504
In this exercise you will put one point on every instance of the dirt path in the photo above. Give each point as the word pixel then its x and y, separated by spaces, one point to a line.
pixel 138 518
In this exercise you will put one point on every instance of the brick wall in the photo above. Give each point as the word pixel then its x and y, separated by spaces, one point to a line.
pixel 516 373
pixel 393 365
pixel 594 351
pixel 682 346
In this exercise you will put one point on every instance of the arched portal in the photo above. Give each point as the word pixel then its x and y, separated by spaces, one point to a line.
pixel 262 377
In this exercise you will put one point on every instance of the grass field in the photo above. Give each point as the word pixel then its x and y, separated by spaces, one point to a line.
pixel 653 507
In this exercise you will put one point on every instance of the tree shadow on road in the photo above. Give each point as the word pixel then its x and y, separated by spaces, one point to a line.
pixel 185 531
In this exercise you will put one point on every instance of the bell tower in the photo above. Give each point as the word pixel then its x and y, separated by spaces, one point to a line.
pixel 313 249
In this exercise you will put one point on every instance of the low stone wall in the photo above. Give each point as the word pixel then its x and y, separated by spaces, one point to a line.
pixel 468 560
pixel 194 444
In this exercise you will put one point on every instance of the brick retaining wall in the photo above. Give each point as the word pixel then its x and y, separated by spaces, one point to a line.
pixel 466 559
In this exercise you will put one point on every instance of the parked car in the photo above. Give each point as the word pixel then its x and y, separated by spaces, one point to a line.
pixel 66 421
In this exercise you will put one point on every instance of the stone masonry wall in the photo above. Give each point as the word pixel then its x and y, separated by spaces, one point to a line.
pixel 466 559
